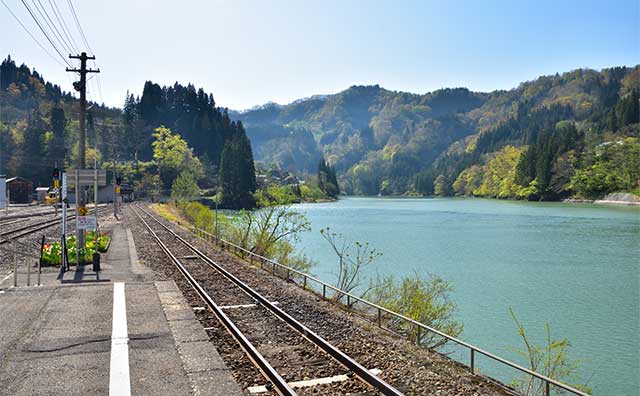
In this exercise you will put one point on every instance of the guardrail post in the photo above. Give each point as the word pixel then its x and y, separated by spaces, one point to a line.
pixel 305 282
pixel 472 361
pixel 324 292
pixel 348 301
pixel 273 269
pixel 40 259
pixel 548 389
pixel 379 317
pixel 28 271
pixel 418 334
pixel 288 274
pixel 15 265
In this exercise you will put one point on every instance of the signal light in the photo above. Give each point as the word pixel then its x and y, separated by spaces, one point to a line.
pixel 56 173
pixel 118 181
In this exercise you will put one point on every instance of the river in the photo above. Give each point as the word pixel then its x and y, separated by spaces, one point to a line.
pixel 573 265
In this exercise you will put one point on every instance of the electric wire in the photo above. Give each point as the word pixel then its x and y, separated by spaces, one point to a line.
pixel 86 43
pixel 52 26
pixel 44 32
pixel 31 35
pixel 75 17
pixel 63 24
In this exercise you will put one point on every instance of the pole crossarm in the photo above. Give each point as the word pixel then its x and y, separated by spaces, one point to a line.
pixel 83 71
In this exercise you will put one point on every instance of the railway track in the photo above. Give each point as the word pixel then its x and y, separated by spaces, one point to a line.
pixel 30 228
pixel 282 348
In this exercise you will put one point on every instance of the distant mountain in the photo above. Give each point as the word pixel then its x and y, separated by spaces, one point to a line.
pixel 381 141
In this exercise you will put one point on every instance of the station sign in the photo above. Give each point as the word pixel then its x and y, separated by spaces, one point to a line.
pixel 3 193
pixel 86 177
pixel 86 222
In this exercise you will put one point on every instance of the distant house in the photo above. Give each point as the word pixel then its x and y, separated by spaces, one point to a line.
pixel 20 190
pixel 41 193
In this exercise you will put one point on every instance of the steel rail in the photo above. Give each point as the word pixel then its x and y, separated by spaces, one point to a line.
pixel 472 348
pixel 31 228
pixel 363 373
pixel 281 386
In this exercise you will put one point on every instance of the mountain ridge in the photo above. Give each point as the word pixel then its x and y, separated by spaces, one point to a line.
pixel 369 131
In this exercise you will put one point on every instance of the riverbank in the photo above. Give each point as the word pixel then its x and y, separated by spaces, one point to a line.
pixel 626 199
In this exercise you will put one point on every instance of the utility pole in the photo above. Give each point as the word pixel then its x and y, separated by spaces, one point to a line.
pixel 81 86
pixel 95 181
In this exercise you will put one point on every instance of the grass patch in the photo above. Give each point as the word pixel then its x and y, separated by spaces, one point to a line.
pixel 169 211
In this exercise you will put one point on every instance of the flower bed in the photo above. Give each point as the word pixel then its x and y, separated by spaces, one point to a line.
pixel 52 252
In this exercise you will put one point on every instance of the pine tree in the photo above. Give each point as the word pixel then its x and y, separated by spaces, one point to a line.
pixel 32 150
pixel 327 179
pixel 631 108
pixel 613 120
pixel 237 170
pixel 184 187
pixel 57 150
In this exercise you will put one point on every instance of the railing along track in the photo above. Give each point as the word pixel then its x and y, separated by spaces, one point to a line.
pixel 283 388
pixel 474 350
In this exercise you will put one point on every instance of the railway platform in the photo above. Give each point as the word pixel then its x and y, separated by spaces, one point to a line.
pixel 116 332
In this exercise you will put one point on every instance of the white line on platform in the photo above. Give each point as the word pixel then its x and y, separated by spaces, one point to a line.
pixel 7 277
pixel 311 382
pixel 119 381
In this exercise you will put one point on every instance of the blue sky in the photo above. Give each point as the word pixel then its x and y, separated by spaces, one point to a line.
pixel 249 52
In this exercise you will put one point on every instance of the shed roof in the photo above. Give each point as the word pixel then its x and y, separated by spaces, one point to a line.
pixel 18 178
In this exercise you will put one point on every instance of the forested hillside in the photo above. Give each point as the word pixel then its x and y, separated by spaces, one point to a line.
pixel 167 135
pixel 570 134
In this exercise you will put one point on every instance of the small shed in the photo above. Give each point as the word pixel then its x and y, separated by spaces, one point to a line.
pixel 20 190
pixel 126 191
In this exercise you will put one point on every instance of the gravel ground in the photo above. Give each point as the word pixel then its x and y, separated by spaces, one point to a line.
pixel 412 370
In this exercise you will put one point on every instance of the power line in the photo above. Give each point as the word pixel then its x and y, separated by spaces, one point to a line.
pixel 44 32
pixel 52 27
pixel 32 36
pixel 75 17
pixel 86 43
pixel 63 24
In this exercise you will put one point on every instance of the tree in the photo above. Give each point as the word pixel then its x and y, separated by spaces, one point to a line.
pixel 424 183
pixel 425 300
pixel 237 170
pixel 631 108
pixel 57 148
pixel 327 180
pixel 352 259
pixel 184 187
pixel 441 186
pixel 551 360
pixel 32 149
pixel 174 156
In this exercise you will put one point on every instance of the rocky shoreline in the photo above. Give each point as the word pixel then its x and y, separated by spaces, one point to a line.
pixel 626 199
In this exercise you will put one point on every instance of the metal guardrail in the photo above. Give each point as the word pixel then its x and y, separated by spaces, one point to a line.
pixel 18 249
pixel 344 359
pixel 380 310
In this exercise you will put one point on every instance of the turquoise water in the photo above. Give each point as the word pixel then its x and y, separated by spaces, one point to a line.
pixel 573 265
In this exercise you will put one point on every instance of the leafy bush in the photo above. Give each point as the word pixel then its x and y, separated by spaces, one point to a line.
pixel 52 252
pixel 425 300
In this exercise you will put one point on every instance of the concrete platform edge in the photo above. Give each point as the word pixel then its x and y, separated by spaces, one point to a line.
pixel 207 372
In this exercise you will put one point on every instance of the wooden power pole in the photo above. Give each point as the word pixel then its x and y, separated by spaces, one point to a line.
pixel 81 86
